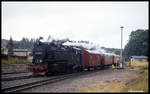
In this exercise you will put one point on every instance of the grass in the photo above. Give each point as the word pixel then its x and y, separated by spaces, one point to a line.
pixel 17 60
pixel 139 64
pixel 139 84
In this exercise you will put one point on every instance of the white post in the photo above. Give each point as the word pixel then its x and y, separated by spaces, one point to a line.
pixel 121 62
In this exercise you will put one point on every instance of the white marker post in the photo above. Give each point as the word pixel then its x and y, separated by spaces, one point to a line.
pixel 121 61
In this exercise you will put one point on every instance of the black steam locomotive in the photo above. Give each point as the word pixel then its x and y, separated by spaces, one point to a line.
pixel 51 58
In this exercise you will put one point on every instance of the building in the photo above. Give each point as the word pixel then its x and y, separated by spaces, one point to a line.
pixel 139 58
pixel 20 52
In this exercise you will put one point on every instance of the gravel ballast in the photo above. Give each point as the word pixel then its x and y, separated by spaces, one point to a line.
pixel 97 80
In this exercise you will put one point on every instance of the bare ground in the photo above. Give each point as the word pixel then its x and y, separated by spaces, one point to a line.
pixel 107 80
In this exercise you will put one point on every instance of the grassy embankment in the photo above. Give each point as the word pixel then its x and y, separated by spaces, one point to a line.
pixel 139 84
pixel 12 60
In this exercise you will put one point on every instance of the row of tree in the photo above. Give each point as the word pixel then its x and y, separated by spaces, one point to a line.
pixel 137 45
pixel 25 43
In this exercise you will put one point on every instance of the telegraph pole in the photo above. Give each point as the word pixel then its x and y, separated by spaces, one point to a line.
pixel 121 45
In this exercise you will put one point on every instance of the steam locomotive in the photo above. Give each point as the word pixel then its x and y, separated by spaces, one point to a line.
pixel 51 58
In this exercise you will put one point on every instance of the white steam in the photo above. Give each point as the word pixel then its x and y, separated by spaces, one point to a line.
pixel 90 47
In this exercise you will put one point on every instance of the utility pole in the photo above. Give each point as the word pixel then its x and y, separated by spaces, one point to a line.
pixel 121 61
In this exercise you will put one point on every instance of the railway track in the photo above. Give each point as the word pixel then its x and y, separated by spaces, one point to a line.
pixel 25 86
pixel 19 88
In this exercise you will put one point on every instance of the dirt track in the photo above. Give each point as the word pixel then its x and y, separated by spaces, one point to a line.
pixel 101 81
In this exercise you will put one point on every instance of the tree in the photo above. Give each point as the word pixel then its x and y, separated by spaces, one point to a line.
pixel 10 46
pixel 137 44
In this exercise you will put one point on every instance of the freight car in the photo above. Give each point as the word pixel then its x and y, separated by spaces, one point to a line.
pixel 51 58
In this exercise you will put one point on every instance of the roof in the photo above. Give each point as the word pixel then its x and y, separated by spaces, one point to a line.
pixel 94 52
pixel 20 50
pixel 144 57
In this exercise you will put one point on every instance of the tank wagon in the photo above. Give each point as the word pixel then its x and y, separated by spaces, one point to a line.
pixel 51 58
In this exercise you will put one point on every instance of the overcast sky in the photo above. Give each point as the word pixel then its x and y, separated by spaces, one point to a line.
pixel 97 22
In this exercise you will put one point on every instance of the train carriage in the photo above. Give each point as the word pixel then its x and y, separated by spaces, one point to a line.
pixel 108 59
pixel 91 59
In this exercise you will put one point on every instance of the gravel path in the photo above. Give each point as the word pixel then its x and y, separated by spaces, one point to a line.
pixel 96 80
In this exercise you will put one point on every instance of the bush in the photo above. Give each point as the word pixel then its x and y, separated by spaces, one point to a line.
pixel 4 61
